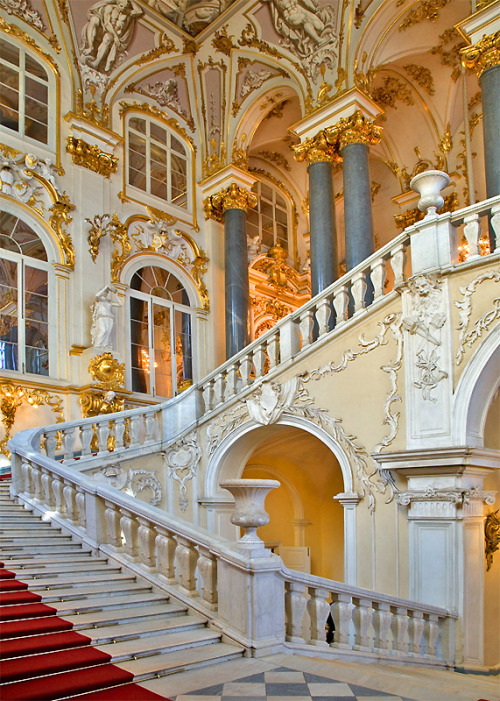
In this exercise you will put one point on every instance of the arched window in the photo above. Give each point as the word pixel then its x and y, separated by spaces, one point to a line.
pixel 160 333
pixel 24 298
pixel 24 93
pixel 269 219
pixel 157 161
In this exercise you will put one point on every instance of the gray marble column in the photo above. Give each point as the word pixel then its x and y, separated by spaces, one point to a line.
pixel 490 89
pixel 359 241
pixel 323 239
pixel 236 280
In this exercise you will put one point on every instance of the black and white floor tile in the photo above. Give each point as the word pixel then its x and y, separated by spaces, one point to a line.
pixel 283 683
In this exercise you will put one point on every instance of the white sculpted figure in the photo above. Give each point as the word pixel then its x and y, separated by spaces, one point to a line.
pixel 303 24
pixel 108 32
pixel 103 317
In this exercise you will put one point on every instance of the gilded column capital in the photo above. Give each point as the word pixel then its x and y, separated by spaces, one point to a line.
pixel 482 55
pixel 317 149
pixel 232 197
pixel 356 129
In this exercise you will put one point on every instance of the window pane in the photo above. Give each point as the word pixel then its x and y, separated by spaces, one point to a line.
pixel 138 124
pixel 9 52
pixel 8 316
pixel 176 146
pixel 37 91
pixel 37 131
pixel 9 98
pixel 158 133
pixel 35 68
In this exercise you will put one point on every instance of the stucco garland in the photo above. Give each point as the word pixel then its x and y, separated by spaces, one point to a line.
pixel 465 310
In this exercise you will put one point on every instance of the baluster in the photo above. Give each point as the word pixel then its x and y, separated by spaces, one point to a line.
pixel 259 359
pixel 378 275
pixel 398 261
pixel 246 368
pixel 358 291
pixel 415 630
pixel 135 427
pixel 399 628
pixel 289 332
pixel 208 398
pixel 187 557
pixel 36 477
pixel 68 442
pixel 129 527
pixel 69 499
pixel 103 435
pixel 86 435
pixel 80 509
pixel 273 351
pixel 306 327
pixel 26 472
pixel 362 617
pixel 219 388
pixel 112 519
pixel 119 432
pixel 340 303
pixel 150 426
pixel 495 225
pixel 146 538
pixel 232 380
pixel 342 616
pixel 165 547
pixel 295 606
pixel 431 632
pixel 382 618
pixel 323 313
pixel 471 233
pixel 318 609
pixel 47 488
pixel 207 566
pixel 57 488
pixel 50 443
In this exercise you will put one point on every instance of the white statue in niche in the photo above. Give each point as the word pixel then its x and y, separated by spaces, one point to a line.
pixel 254 247
pixel 108 32
pixel 103 317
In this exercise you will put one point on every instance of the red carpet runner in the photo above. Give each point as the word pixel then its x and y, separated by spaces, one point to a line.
pixel 43 659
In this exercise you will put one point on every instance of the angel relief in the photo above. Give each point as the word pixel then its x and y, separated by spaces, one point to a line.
pixel 303 25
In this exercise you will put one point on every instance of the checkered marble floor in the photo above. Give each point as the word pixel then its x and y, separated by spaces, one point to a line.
pixel 283 683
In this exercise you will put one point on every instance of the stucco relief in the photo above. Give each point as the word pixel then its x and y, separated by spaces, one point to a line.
pixel 23 9
pixel 182 460
pixel 425 319
pixel 18 177
pixel 303 25
pixel 131 481
pixel 469 337
pixel 272 400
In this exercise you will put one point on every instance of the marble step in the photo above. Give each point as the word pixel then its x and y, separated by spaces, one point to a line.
pixel 147 626
pixel 103 603
pixel 175 661
pixel 159 644
pixel 28 527
pixel 27 540
pixel 91 591
pixel 77 581
pixel 50 569
pixel 42 549
pixel 126 614
pixel 39 560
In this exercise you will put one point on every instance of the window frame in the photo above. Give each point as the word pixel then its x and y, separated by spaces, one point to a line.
pixel 289 218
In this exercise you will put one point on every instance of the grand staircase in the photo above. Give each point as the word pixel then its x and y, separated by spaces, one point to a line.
pixel 75 625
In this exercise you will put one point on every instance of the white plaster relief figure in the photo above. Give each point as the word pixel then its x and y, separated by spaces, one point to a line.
pixel 303 25
pixel 254 247
pixel 103 317
pixel 253 81
pixel 108 32
pixel 166 93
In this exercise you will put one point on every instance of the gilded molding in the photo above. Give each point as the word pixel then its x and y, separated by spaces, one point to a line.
pixel 483 55
pixel 275 157
pixel 106 372
pixel 427 10
pixel 90 111
pixel 232 197
pixel 11 398
pixel 94 403
pixel 160 114
pixel 491 536
pixel 222 42
pixel 166 46
pixel 118 232
pixel 91 157
pixel 14 31
pixel 58 220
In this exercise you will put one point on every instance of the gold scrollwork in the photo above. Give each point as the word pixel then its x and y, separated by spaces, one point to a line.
pixel 316 149
pixel 483 55
pixel 91 157
pixel 491 536
pixel 14 31
pixel 165 46
pixel 118 232
pixel 60 218
pixel 90 111
pixel 11 398
pixel 107 372
pixel 427 10
pixel 232 197
pixel 94 403
pixel 356 129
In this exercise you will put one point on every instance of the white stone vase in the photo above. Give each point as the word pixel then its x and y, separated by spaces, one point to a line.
pixel 429 184
pixel 249 496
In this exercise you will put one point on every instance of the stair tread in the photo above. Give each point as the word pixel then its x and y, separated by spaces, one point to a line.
pixel 69 579
pixel 109 617
pixel 147 667
pixel 109 602
pixel 157 644
pixel 32 571
pixel 110 589
pixel 152 624
pixel 82 557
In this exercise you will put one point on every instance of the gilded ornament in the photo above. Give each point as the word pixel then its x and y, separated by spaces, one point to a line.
pixel 9 152
pixel 414 215
pixel 491 536
pixel 427 10
pixel 14 31
pixel 449 56
pixel 58 220
pixel 165 46
pixel 317 149
pixel 232 197
pixel 276 158
pixel 105 224
pixel 90 111
pixel 11 398
pixel 392 90
pixel 483 55
pixel 356 129
pixel 94 403
pixel 222 42
pixel 160 114
pixel 240 153
pixel 91 157
pixel 422 76
pixel 106 372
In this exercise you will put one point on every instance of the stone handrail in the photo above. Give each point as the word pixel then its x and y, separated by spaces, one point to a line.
pixel 209 573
